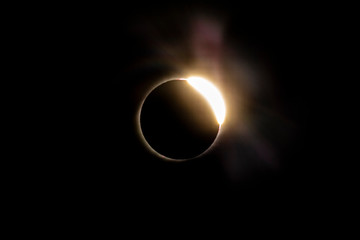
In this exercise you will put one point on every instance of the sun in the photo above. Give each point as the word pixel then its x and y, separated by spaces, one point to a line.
pixel 211 94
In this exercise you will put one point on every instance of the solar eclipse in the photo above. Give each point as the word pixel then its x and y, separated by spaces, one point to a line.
pixel 180 119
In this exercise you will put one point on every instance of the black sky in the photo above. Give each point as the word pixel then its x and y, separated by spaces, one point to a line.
pixel 98 154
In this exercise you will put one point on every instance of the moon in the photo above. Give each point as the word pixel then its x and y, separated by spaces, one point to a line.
pixel 181 120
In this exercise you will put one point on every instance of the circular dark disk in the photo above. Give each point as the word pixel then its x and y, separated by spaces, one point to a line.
pixel 177 121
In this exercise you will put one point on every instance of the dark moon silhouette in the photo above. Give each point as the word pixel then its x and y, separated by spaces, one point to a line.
pixel 177 121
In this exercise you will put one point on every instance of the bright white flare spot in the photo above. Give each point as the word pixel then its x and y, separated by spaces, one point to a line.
pixel 211 94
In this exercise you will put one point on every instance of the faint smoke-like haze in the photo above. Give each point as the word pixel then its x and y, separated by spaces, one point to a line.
pixel 200 44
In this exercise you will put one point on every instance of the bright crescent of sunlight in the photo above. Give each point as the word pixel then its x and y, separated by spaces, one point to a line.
pixel 211 94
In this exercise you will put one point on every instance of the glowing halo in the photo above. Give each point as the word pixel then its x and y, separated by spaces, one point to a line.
pixel 209 92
